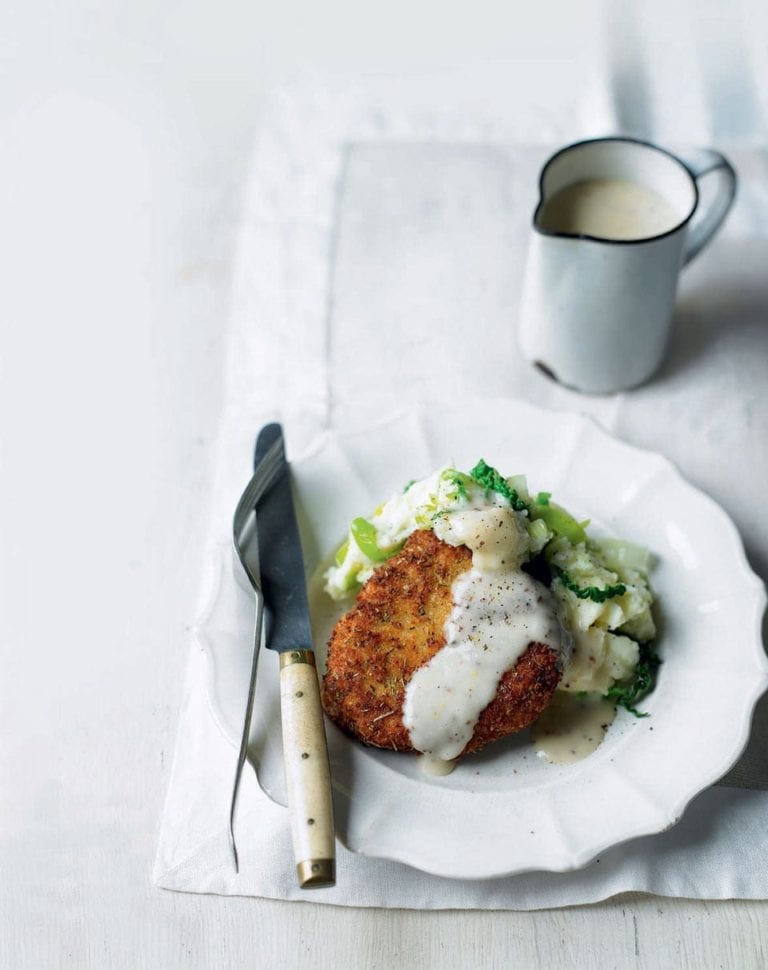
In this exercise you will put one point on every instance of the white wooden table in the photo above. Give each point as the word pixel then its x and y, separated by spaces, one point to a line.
pixel 126 137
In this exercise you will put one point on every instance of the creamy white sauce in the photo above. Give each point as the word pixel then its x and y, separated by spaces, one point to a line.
pixel 436 767
pixel 609 209
pixel 498 610
pixel 572 727
pixel 496 536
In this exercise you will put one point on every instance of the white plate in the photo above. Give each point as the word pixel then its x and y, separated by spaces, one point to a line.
pixel 504 811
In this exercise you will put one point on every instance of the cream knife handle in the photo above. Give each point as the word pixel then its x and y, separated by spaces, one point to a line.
pixel 307 773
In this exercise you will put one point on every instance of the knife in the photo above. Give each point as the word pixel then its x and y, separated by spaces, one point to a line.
pixel 288 632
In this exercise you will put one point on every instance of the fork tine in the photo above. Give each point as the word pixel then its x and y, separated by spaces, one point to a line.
pixel 261 477
pixel 251 494
pixel 255 488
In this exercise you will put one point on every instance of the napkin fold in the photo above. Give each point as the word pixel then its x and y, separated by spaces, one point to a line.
pixel 381 231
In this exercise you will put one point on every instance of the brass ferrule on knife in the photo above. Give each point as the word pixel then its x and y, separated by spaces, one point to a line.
pixel 297 657
pixel 316 873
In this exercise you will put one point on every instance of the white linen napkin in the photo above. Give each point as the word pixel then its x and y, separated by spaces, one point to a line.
pixel 382 231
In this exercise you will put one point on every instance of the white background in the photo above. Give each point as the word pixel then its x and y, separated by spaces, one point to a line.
pixel 126 134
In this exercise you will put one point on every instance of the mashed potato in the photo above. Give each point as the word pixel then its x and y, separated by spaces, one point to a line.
pixel 601 586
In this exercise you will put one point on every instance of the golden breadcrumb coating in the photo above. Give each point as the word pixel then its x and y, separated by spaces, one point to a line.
pixel 395 627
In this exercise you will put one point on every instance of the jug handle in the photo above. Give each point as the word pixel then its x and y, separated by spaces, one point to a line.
pixel 706 161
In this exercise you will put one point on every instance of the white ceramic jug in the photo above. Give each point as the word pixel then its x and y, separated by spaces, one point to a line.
pixel 597 302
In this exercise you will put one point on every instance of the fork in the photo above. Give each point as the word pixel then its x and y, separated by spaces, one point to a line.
pixel 269 458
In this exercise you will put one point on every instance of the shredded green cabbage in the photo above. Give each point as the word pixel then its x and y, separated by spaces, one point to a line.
pixel 493 481
pixel 642 683
pixel 594 593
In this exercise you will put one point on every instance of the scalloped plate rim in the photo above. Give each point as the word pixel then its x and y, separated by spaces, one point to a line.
pixel 579 855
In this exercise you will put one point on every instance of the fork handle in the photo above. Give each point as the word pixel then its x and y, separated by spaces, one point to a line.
pixel 307 772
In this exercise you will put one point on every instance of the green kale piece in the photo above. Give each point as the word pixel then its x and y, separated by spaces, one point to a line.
pixel 593 593
pixel 493 481
pixel 642 683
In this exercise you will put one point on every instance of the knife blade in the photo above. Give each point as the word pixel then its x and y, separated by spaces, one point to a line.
pixel 288 632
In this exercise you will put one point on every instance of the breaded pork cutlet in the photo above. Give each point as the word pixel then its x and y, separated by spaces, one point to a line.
pixel 396 626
